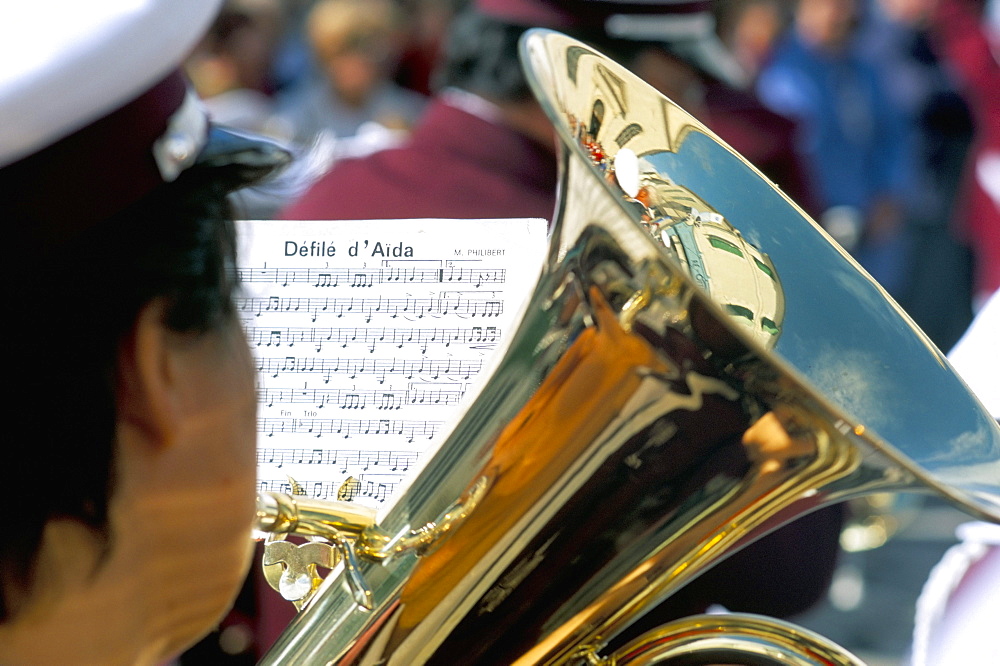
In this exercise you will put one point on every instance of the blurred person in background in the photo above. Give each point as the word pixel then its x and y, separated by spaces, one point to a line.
pixel 967 35
pixel 233 71
pixel 850 134
pixel 938 128
pixel 486 149
pixel 427 24
pixel 750 28
pixel 356 45
pixel 232 67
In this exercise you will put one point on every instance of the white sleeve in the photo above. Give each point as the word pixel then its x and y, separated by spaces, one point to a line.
pixel 976 356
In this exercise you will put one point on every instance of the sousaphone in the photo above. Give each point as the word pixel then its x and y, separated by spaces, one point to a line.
pixel 697 365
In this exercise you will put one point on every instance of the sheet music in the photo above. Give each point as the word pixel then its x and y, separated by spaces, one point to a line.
pixel 367 336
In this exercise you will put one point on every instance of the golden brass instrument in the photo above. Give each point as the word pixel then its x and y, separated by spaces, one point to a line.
pixel 698 364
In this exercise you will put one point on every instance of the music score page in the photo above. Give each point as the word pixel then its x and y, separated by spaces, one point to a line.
pixel 367 338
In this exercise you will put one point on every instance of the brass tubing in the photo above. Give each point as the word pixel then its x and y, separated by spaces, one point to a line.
pixel 279 513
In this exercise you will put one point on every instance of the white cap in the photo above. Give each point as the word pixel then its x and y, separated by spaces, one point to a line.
pixel 65 64
pixel 976 356
pixel 95 113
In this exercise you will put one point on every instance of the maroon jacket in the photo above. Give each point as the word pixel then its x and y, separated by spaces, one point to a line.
pixel 454 165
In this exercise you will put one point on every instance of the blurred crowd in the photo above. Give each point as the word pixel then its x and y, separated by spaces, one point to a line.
pixel 335 78
pixel 888 110
pixel 895 118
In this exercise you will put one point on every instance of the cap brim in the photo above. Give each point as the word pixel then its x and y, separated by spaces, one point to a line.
pixel 250 157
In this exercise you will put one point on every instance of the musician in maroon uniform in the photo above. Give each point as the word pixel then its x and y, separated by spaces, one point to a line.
pixel 130 449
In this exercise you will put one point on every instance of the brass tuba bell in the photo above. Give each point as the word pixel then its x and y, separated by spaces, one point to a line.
pixel 697 365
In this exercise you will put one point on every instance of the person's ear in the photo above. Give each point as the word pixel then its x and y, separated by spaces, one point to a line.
pixel 146 382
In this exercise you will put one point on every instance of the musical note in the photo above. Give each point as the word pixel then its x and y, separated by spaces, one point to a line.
pixel 362 280
pixel 461 304
pixel 349 489
pixel 390 400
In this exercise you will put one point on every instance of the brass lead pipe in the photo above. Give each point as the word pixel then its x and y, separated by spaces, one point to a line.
pixel 295 514
pixel 748 639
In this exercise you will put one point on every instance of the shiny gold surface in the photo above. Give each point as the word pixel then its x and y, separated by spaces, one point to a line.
pixel 307 516
pixel 293 570
pixel 732 638
pixel 667 398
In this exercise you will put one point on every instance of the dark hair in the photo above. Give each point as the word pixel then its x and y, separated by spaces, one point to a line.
pixel 481 56
pixel 76 303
